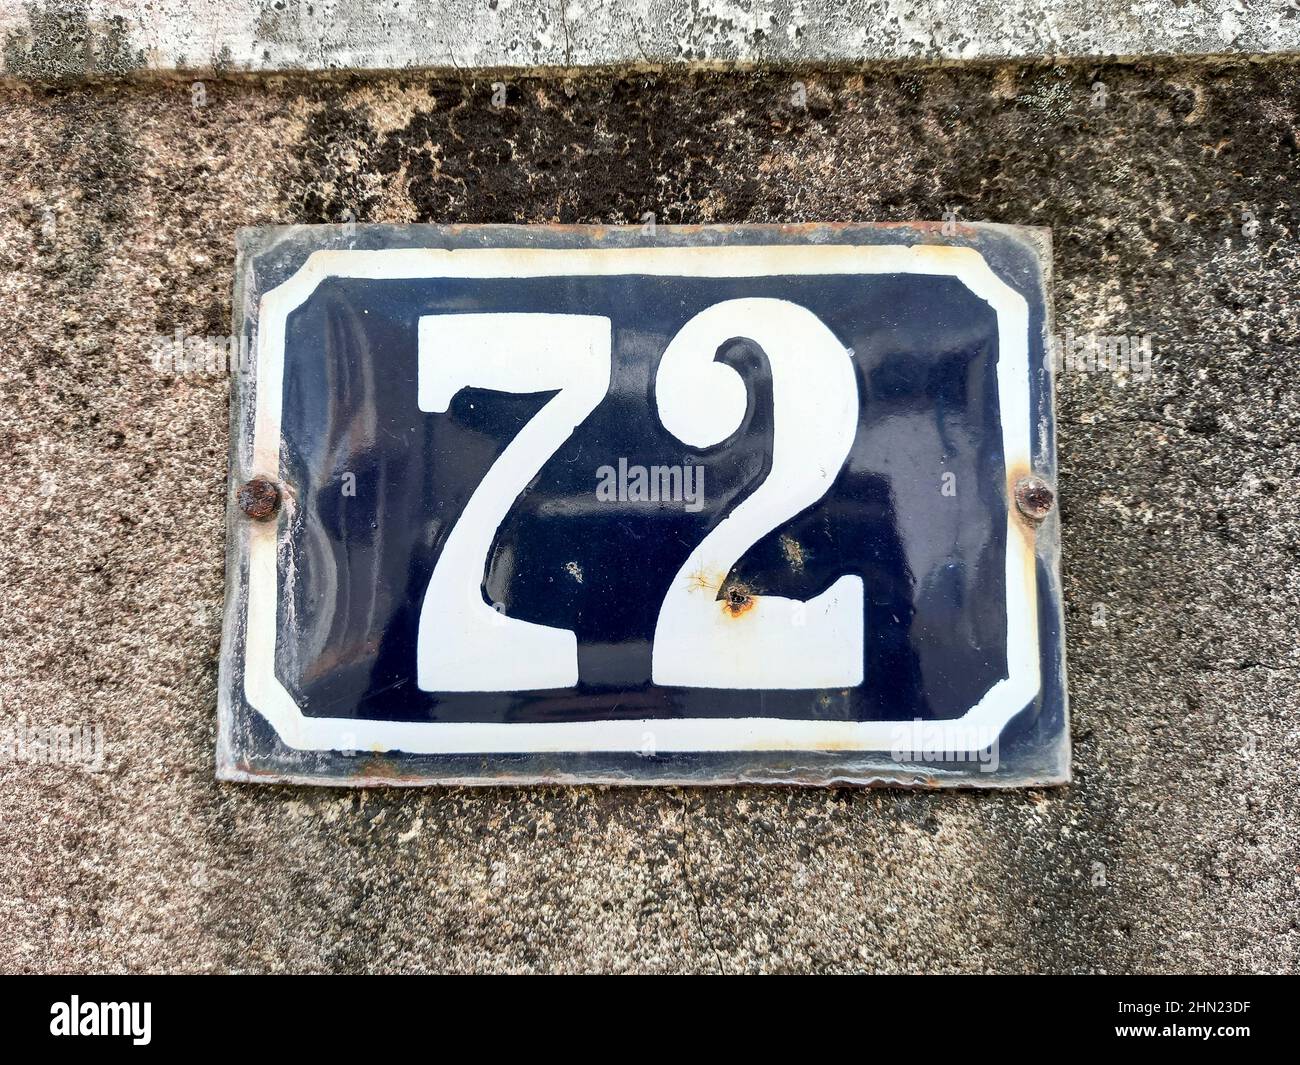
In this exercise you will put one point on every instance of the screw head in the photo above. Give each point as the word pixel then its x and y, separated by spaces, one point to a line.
pixel 1034 497
pixel 259 499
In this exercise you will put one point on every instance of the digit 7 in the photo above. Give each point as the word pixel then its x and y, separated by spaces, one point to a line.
pixel 463 643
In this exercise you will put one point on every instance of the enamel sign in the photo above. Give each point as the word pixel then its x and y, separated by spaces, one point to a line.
pixel 589 504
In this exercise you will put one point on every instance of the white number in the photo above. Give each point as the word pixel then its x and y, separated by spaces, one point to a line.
pixel 702 641
pixel 463 643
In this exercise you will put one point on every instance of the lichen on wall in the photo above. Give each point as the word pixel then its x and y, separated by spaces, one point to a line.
pixel 58 42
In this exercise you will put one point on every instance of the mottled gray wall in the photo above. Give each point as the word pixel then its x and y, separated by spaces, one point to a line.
pixel 1172 195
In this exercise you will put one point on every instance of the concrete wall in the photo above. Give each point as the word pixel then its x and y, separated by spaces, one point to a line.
pixel 1172 195
pixel 69 38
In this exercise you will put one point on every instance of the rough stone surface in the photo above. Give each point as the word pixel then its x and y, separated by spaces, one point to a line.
pixel 1175 212
pixel 70 39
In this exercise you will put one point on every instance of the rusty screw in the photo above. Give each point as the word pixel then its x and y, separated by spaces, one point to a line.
pixel 259 499
pixel 1034 497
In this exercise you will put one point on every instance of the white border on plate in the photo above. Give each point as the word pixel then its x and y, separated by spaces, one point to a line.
pixel 984 720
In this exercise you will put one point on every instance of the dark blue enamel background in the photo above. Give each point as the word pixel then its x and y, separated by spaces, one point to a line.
pixel 918 511
pixel 925 353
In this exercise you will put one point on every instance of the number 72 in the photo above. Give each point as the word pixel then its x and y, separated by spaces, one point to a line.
pixel 465 645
